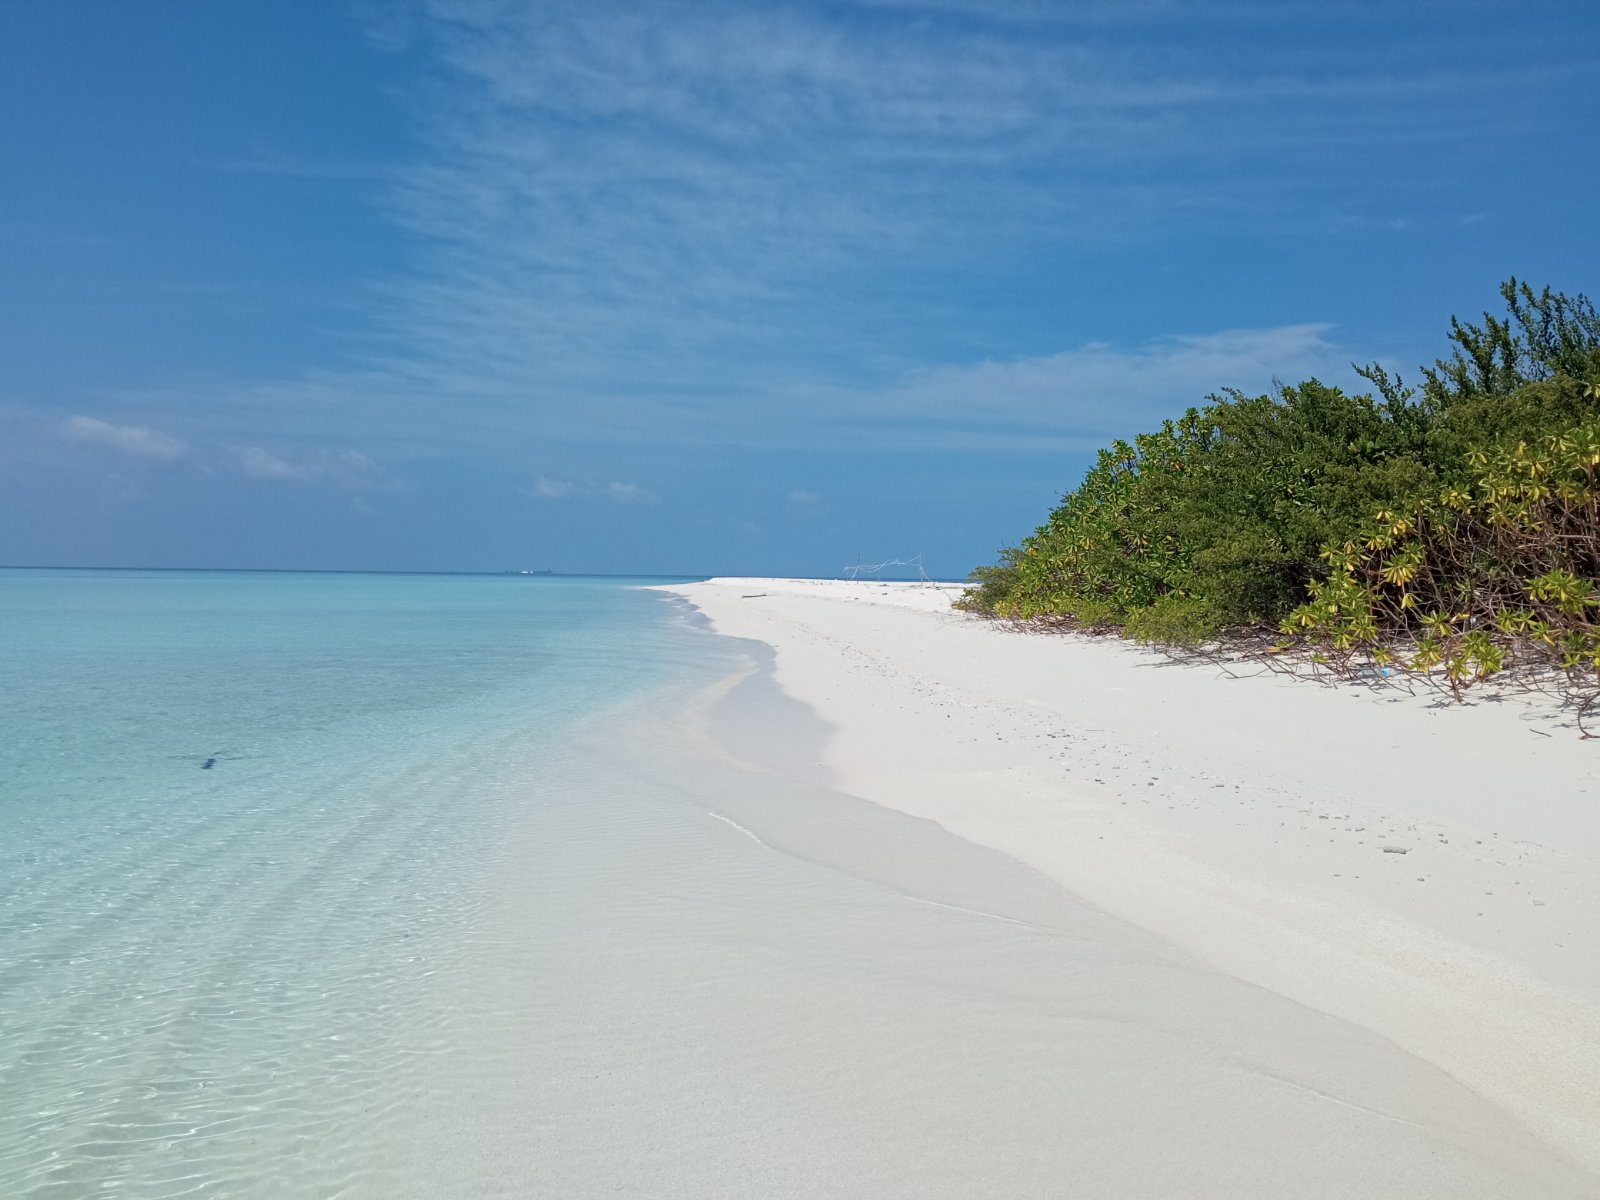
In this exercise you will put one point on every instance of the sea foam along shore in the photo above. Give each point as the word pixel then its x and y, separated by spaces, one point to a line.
pixel 1426 872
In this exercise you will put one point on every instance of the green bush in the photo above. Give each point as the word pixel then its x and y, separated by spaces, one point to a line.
pixel 1174 620
pixel 1512 378
pixel 1479 580
pixel 1223 520
pixel 1226 507
pixel 991 585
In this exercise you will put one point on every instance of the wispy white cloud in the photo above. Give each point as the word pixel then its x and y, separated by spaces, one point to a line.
pixel 680 216
pixel 551 489
pixel 722 223
pixel 342 468
pixel 1066 399
pixel 135 440
pixel 627 493
pixel 1073 399
pixel 616 491
pixel 1099 383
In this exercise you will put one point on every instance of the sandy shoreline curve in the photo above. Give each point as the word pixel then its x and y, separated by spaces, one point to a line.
pixel 1428 873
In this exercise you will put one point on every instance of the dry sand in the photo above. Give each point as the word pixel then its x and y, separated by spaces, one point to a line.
pixel 1251 826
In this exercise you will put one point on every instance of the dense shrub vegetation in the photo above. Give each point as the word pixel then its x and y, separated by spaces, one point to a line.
pixel 1451 531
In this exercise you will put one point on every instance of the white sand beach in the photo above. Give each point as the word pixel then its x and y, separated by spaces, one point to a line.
pixel 877 901
pixel 1424 877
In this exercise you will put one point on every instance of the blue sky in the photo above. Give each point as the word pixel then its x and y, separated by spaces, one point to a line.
pixel 721 287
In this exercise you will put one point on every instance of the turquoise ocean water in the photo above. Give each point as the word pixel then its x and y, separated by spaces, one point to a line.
pixel 209 976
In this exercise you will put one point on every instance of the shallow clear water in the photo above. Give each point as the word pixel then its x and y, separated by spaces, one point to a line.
pixel 206 972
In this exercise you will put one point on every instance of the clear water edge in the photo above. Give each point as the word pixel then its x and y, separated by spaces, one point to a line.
pixel 206 974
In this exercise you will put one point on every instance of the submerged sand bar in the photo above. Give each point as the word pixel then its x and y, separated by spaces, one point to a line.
pixel 1429 875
